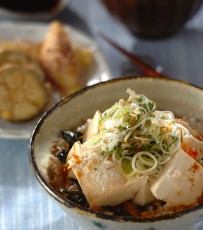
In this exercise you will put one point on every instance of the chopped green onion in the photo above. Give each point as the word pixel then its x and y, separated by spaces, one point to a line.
pixel 136 136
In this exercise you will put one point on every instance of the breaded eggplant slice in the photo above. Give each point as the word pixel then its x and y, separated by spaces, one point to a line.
pixel 16 58
pixel 22 94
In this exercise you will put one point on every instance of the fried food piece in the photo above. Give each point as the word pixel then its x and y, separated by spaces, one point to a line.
pixel 16 58
pixel 27 47
pixel 84 57
pixel 57 58
pixel 22 94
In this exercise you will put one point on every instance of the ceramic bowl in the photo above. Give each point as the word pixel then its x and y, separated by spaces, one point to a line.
pixel 179 97
pixel 154 18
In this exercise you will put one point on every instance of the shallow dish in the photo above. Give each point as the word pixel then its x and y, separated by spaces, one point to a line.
pixel 181 98
pixel 35 32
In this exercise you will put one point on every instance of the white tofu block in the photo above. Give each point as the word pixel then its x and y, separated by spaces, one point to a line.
pixel 181 182
pixel 192 144
pixel 92 127
pixel 101 180
pixel 143 196
pixel 193 132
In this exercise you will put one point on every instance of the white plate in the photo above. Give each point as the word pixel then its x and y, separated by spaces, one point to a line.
pixel 35 32
pixel 12 14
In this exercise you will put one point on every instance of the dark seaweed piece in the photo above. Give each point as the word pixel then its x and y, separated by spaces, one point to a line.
pixel 78 198
pixel 141 208
pixel 75 194
pixel 62 155
pixel 156 204
pixel 71 137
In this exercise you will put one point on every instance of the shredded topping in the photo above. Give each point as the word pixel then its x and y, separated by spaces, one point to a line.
pixel 138 137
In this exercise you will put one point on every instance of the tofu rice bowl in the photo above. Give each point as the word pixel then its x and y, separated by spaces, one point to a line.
pixel 130 160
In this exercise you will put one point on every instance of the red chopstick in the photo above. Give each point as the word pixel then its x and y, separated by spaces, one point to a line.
pixel 146 69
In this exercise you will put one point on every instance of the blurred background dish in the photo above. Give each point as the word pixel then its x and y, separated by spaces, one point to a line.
pixel 153 18
pixel 99 71
pixel 32 9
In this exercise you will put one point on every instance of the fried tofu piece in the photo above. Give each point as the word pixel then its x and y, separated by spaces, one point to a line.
pixel 57 58
pixel 100 179
pixel 22 94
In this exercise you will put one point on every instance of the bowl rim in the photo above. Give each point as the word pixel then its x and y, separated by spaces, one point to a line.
pixel 69 204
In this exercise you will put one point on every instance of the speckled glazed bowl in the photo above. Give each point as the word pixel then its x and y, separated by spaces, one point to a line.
pixel 181 98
